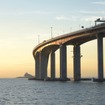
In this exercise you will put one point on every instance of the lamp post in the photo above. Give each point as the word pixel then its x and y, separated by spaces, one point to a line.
pixel 99 20
pixel 51 32
pixel 38 39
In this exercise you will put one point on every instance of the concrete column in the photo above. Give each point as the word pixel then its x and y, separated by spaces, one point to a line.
pixel 45 64
pixel 52 65
pixel 77 73
pixel 41 72
pixel 37 66
pixel 63 63
pixel 100 56
pixel 43 59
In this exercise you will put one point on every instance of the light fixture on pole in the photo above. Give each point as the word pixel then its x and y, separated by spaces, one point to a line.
pixel 38 39
pixel 99 20
pixel 51 32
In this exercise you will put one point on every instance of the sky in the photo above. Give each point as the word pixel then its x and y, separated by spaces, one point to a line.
pixel 23 22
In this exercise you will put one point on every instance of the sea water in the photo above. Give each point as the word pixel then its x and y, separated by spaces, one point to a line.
pixel 31 92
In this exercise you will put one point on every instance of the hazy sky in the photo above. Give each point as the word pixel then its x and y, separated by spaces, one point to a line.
pixel 21 21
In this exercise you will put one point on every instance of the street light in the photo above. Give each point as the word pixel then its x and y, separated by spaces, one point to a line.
pixel 51 32
pixel 99 20
pixel 82 27
pixel 38 39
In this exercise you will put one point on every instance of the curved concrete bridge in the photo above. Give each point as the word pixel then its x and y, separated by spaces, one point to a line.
pixel 47 49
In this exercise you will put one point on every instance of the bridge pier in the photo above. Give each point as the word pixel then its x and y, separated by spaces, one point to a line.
pixel 41 66
pixel 100 56
pixel 63 63
pixel 77 56
pixel 37 65
pixel 52 65
pixel 41 72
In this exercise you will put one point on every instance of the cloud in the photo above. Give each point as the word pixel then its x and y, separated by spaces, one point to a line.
pixel 87 18
pixel 32 13
pixel 92 15
pixel 99 2
pixel 92 12
pixel 25 13
pixel 62 18
pixel 73 18
pixel 91 18
pixel 79 18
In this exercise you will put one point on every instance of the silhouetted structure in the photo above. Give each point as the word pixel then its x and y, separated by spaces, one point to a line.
pixel 47 49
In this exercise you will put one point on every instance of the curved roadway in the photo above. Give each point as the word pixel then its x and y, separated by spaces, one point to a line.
pixel 77 37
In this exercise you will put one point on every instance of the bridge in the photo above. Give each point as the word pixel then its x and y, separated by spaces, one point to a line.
pixel 47 49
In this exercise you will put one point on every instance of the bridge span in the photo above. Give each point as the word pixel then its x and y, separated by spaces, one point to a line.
pixel 47 49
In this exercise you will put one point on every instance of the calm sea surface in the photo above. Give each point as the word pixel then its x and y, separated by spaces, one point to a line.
pixel 25 92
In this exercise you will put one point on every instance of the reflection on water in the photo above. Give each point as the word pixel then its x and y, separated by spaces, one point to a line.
pixel 24 92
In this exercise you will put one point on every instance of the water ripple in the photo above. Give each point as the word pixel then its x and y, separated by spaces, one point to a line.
pixel 24 92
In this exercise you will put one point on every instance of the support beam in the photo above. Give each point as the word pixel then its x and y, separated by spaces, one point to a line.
pixel 63 63
pixel 53 65
pixel 77 65
pixel 100 56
